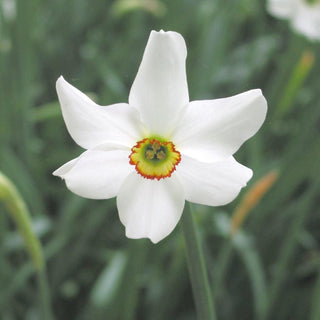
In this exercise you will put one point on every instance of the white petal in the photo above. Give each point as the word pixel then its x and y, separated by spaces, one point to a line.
pixel 212 130
pixel 212 184
pixel 160 88
pixel 306 20
pixel 150 208
pixel 64 169
pixel 90 124
pixel 96 174
pixel 281 8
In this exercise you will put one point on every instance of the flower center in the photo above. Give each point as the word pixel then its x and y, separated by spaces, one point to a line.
pixel 154 158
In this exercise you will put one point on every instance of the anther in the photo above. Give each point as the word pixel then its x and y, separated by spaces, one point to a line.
pixel 149 154
pixel 161 155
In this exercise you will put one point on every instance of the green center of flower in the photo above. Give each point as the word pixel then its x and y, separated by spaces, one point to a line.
pixel 155 151
pixel 154 158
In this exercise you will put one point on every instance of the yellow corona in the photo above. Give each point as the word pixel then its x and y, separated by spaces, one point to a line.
pixel 154 158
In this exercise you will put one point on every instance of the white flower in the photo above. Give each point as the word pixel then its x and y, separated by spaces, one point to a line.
pixel 304 15
pixel 160 149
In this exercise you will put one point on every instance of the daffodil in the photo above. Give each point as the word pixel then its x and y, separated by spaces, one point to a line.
pixel 304 15
pixel 159 149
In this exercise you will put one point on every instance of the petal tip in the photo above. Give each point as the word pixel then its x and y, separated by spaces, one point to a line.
pixel 64 169
pixel 133 236
pixel 170 34
pixel 60 83
pixel 260 98
pixel 60 79
pixel 161 31
pixel 257 92
pixel 155 241
pixel 57 174
pixel 249 176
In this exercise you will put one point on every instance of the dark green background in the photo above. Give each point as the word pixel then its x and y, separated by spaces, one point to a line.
pixel 269 271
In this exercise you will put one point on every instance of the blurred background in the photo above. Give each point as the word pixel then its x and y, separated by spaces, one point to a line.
pixel 262 250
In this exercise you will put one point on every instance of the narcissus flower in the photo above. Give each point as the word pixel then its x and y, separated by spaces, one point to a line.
pixel 159 149
pixel 304 15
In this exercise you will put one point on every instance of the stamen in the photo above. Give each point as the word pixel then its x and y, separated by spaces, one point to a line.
pixel 149 154
pixel 161 155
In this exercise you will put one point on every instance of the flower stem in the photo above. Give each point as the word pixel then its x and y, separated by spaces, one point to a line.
pixel 18 210
pixel 197 268
pixel 44 293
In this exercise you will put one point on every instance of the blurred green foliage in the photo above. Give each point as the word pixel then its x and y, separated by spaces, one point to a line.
pixel 270 270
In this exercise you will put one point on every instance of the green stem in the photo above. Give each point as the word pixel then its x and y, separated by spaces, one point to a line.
pixel 299 74
pixel 197 268
pixel 282 71
pixel 222 265
pixel 17 208
pixel 44 293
